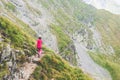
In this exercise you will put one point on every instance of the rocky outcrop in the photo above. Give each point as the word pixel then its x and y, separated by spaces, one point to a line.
pixel 91 39
pixel 19 66
pixel 70 56
pixel 13 59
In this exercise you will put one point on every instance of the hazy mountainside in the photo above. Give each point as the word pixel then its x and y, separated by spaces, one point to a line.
pixel 111 5
pixel 62 23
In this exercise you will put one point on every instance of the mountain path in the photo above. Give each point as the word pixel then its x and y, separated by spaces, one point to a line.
pixel 89 66
pixel 29 67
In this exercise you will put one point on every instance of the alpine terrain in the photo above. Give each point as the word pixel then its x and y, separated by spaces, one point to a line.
pixel 80 42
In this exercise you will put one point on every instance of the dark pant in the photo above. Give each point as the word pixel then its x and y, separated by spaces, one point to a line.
pixel 38 49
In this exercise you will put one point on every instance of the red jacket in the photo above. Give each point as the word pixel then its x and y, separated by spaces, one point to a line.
pixel 39 43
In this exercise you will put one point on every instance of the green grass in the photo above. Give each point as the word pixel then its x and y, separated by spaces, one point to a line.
pixel 25 27
pixel 10 6
pixel 108 27
pixel 54 67
pixel 15 35
pixel 62 38
pixel 64 43
pixel 3 70
pixel 109 63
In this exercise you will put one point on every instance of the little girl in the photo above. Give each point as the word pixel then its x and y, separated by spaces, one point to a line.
pixel 39 46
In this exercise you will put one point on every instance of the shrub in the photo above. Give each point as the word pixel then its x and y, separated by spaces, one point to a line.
pixel 10 6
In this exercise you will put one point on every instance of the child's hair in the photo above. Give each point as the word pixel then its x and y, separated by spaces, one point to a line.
pixel 39 37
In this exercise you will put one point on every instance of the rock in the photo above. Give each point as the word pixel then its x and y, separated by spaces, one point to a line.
pixel 17 51
pixel 9 64
pixel 6 53
pixel 9 56
pixel 27 52
pixel 1 39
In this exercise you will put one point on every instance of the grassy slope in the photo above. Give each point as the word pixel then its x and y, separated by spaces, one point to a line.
pixel 16 35
pixel 108 62
pixel 63 39
pixel 64 43
pixel 18 39
pixel 54 67
pixel 3 70
pixel 108 25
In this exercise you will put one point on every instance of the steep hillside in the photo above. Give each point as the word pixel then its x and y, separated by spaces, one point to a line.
pixel 96 30
pixel 59 70
pixel 16 46
pixel 72 29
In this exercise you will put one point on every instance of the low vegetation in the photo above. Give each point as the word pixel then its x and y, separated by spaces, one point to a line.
pixel 3 70
pixel 54 67
pixel 64 44
pixel 15 35
pixel 63 39
pixel 10 6
pixel 109 62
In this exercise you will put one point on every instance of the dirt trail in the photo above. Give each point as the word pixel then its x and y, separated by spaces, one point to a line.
pixel 89 66
pixel 30 67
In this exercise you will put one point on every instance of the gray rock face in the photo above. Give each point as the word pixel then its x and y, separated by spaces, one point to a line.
pixel 72 56
pixel 92 39
pixel 1 38
pixel 9 56
pixel 86 39
pixel 89 66
pixel 6 53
